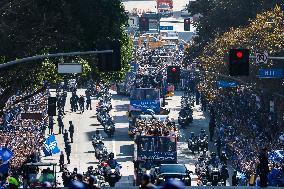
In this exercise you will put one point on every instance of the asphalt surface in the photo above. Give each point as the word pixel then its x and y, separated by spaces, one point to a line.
pixel 82 155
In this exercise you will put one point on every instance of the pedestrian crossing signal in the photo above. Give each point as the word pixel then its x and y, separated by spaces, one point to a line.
pixel 239 62
pixel 186 24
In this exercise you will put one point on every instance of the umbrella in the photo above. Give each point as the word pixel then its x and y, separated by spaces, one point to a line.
pixel 12 180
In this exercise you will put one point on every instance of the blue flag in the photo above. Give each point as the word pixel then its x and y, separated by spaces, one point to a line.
pixel 6 154
pixel 50 145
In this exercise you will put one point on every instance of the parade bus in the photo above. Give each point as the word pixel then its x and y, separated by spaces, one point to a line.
pixel 157 149
pixel 145 100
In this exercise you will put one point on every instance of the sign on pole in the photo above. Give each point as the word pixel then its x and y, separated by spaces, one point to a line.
pixel 261 57
pixel 270 73
pixel 166 27
pixel 226 84
pixel 70 68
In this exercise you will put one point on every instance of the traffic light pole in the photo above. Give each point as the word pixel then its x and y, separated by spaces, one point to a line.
pixel 39 57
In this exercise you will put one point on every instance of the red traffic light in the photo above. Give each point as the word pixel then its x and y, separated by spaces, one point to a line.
pixel 239 54
pixel 174 69
pixel 187 20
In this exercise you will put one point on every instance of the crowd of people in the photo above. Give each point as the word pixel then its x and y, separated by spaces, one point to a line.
pixel 155 127
pixel 24 137
pixel 236 122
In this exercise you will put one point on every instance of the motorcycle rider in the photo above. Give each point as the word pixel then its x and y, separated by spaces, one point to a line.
pixel 202 134
pixel 113 164
pixel 99 146
pixel 214 159
pixel 98 135
pixel 146 182
pixel 224 158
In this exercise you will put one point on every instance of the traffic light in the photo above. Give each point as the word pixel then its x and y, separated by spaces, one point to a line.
pixel 143 24
pixel 109 62
pixel 51 111
pixel 173 74
pixel 239 62
pixel 186 25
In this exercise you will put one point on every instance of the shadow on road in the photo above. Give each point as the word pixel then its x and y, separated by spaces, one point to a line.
pixel 95 124
pixel 89 152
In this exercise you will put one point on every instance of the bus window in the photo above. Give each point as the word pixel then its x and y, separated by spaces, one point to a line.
pixel 152 94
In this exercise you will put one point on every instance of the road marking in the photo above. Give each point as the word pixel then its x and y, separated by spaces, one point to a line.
pixel 113 147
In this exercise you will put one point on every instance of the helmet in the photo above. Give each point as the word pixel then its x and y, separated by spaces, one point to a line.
pixel 97 132
pixel 173 184
pixel 213 154
pixel 76 185
pixel 93 179
pixel 192 133
pixel 202 131
pixel 111 155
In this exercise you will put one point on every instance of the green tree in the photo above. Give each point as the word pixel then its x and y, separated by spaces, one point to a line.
pixel 218 16
pixel 265 33
pixel 33 27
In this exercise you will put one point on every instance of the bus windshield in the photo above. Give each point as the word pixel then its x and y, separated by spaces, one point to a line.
pixel 145 94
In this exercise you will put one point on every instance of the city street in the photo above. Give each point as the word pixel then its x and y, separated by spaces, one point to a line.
pixel 82 155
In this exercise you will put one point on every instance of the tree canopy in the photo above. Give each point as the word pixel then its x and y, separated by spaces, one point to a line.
pixel 264 34
pixel 33 27
pixel 218 16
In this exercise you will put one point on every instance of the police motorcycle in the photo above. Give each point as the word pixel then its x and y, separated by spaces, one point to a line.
pixel 203 140
pixel 184 118
pixel 112 171
pixel 193 143
pixel 97 138
pixel 149 168
pixel 99 150
pixel 214 170
pixel 109 130
pixel 200 166
pixel 96 174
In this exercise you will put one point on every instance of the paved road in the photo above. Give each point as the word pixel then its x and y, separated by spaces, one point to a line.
pixel 82 154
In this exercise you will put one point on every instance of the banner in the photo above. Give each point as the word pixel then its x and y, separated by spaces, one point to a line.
pixel 145 105
pixel 50 145
pixel 6 154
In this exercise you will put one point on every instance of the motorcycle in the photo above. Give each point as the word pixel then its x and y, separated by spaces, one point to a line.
pixel 109 130
pixel 97 140
pixel 203 143
pixel 193 146
pixel 113 174
pixel 99 150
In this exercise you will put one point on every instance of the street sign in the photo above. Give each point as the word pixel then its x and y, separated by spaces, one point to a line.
pixel 261 58
pixel 166 27
pixel 226 84
pixel 270 73
pixel 69 68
